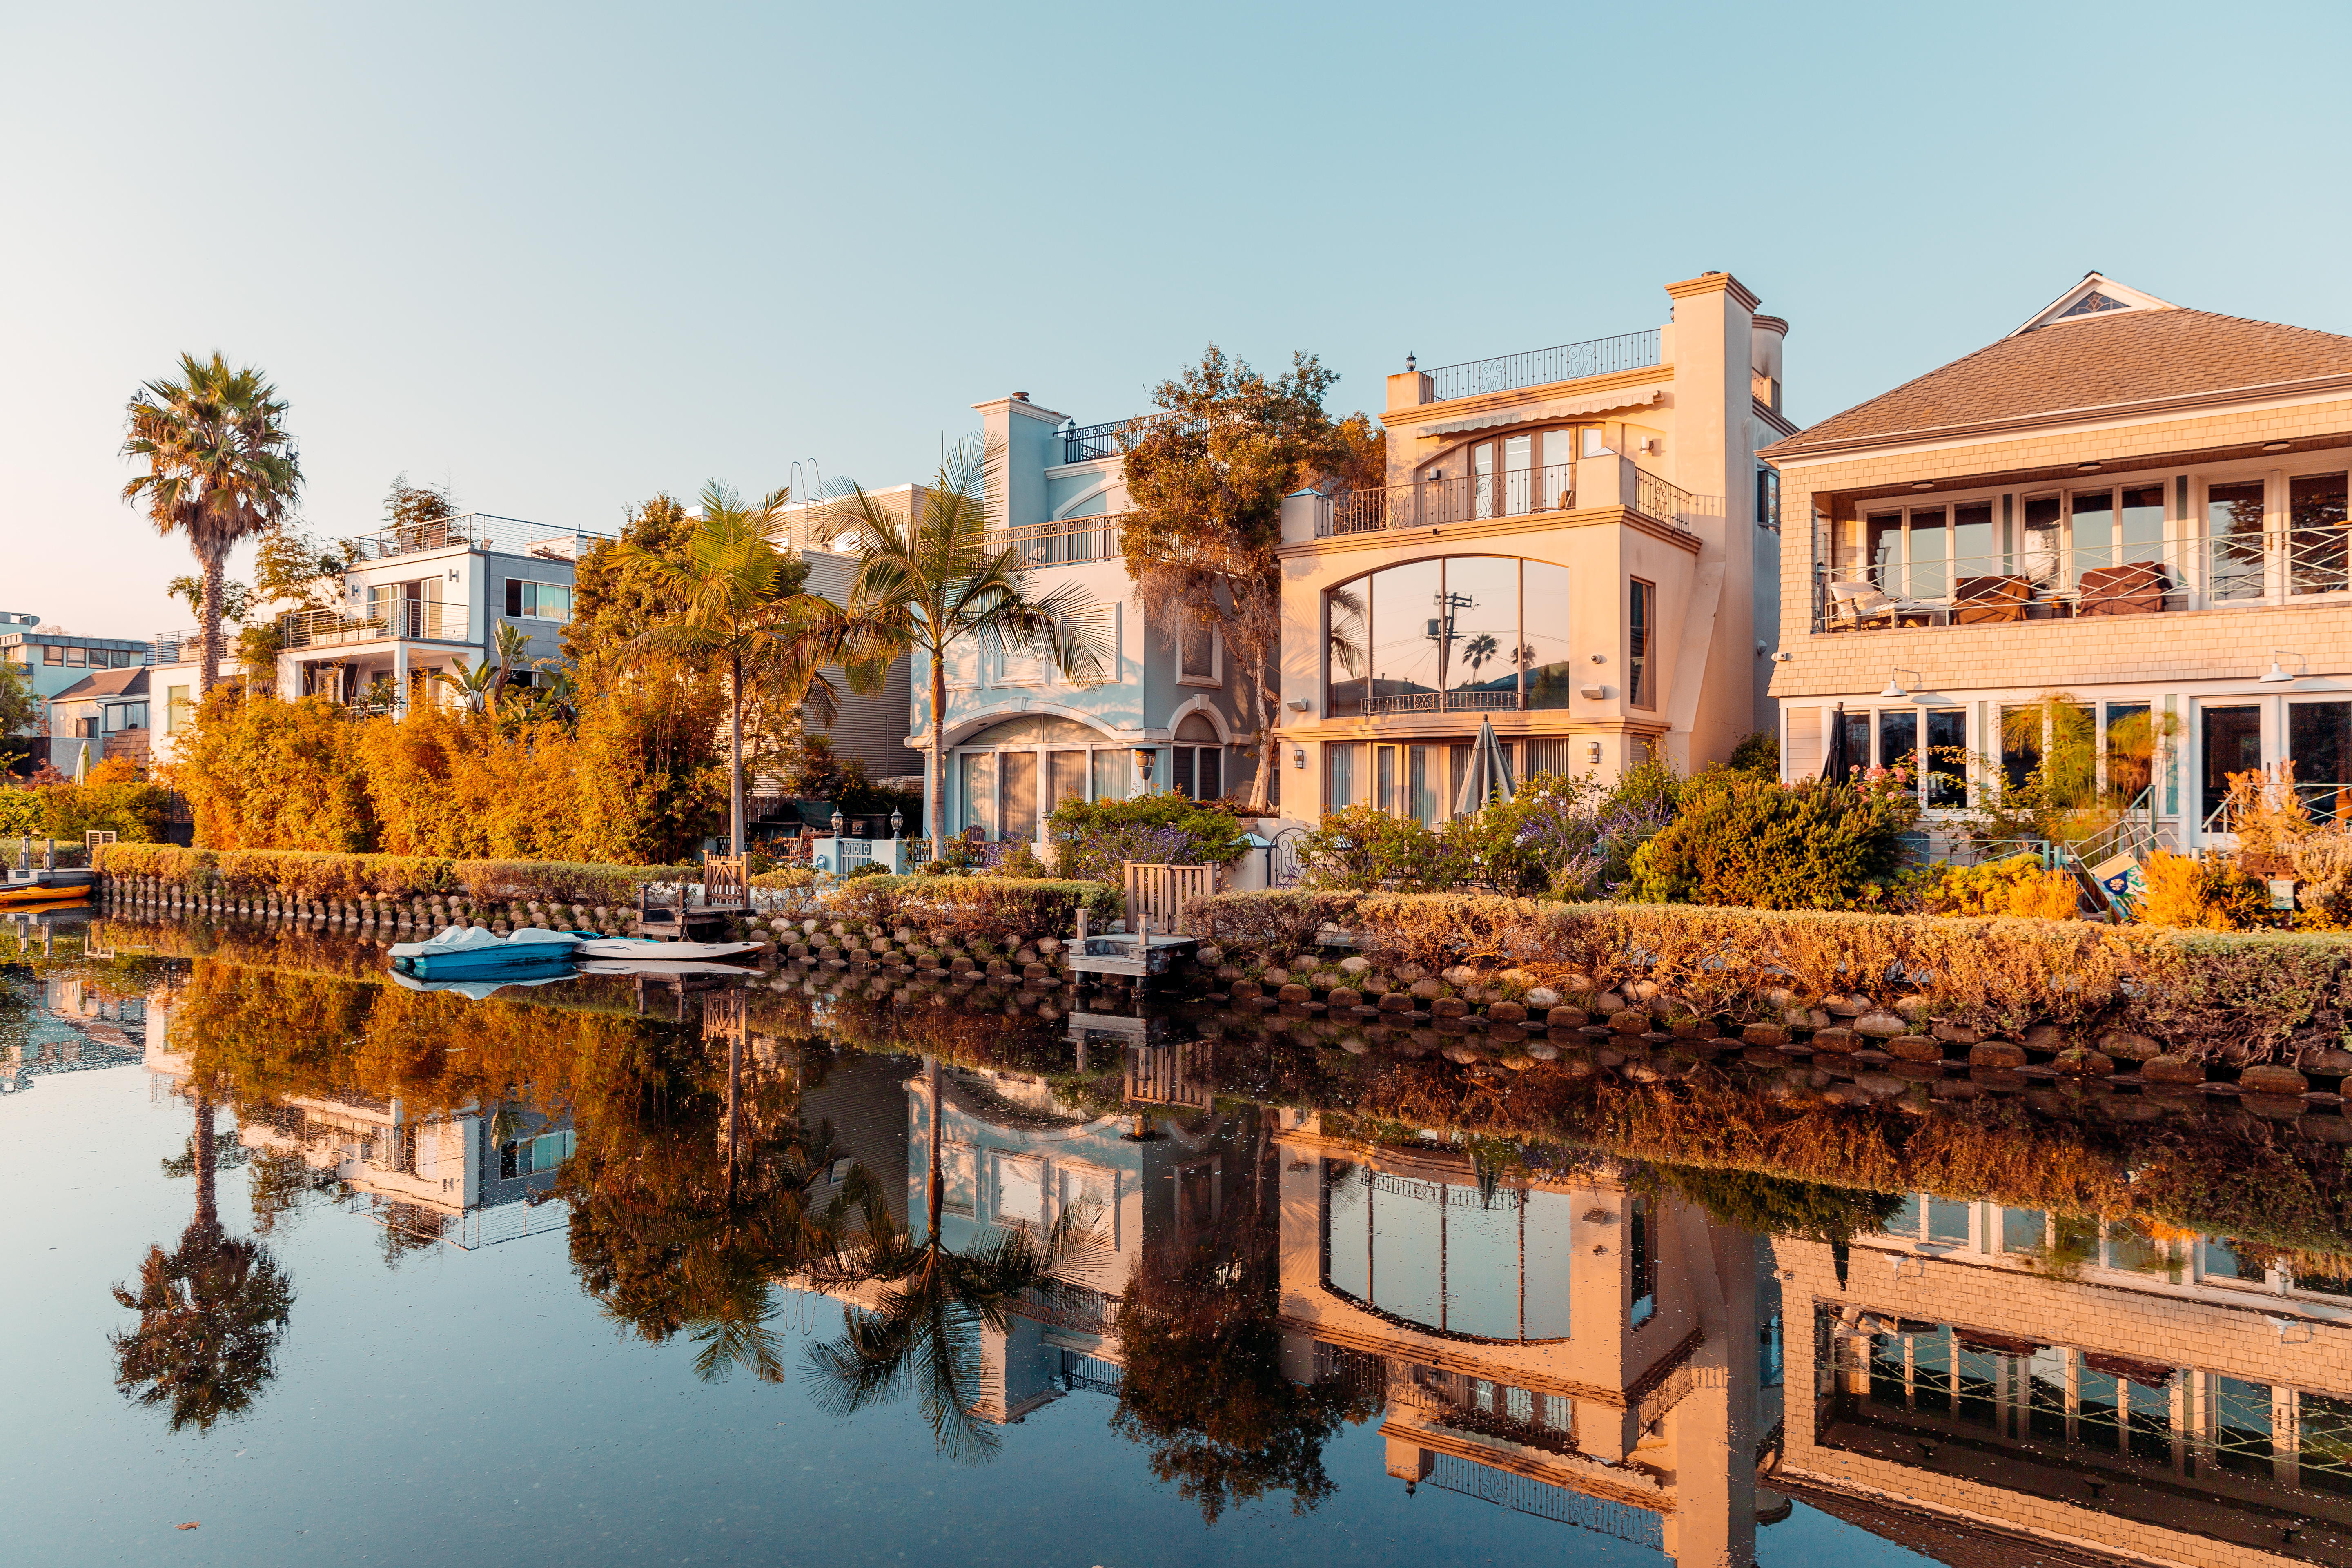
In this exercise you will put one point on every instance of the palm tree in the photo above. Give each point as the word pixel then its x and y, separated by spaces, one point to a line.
pixel 733 612
pixel 1478 650
pixel 478 686
pixel 933 579
pixel 220 467
pixel 512 642
pixel 210 1313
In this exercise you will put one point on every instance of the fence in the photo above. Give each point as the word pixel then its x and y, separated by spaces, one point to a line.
pixel 1065 541
pixel 1160 893
pixel 1168 1075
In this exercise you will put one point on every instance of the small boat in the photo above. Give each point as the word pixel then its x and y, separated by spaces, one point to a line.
pixel 476 990
pixel 472 952
pixel 643 950
pixel 659 968
pixel 28 887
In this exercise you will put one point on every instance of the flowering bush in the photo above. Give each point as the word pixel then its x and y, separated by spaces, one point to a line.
pixel 1094 838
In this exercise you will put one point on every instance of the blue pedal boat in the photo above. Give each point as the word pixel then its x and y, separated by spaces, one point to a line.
pixel 471 952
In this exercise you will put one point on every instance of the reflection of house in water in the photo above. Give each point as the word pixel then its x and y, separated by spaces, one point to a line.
pixel 1564 1347
pixel 65 1023
pixel 1015 1154
pixel 1988 1372
pixel 469 1177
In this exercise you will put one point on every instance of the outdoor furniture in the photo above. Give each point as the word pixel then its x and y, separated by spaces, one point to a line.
pixel 1862 603
pixel 2135 588
pixel 727 897
pixel 1977 600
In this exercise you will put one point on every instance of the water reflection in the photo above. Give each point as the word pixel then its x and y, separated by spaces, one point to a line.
pixel 1627 1304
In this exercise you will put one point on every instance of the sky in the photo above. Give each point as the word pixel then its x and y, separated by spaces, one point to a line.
pixel 565 257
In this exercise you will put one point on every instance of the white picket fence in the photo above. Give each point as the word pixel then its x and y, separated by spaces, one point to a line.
pixel 1159 894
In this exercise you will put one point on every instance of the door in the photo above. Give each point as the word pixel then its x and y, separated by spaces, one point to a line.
pixel 2232 745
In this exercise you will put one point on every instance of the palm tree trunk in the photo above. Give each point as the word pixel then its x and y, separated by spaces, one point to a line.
pixel 207 1207
pixel 935 1184
pixel 735 759
pixel 734 1101
pixel 215 577
pixel 938 760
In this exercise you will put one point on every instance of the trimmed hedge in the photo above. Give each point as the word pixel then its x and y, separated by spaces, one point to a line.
pixel 2236 996
pixel 319 874
pixel 992 906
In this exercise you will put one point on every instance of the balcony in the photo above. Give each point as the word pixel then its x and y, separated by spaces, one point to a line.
pixel 1063 542
pixel 2064 580
pixel 478 531
pixel 1608 480
pixel 1541 367
pixel 187 646
pixel 402 620
pixel 1086 443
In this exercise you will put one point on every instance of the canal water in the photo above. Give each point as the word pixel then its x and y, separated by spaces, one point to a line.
pixel 309 1265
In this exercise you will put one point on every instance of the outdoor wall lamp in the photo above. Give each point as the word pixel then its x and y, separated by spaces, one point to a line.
pixel 1593 752
pixel 1299 705
pixel 897 820
pixel 1895 692
pixel 1144 756
pixel 2277 675
pixel 836 822
pixel 1299 757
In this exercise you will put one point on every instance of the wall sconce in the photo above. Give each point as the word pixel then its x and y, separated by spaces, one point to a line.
pixel 1144 757
pixel 1300 705
pixel 1299 757
pixel 836 822
pixel 2278 674
pixel 1593 752
pixel 897 820
pixel 1593 693
pixel 1895 692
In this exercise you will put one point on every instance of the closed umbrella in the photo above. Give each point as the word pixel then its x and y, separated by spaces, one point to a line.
pixel 1489 772
pixel 1834 765
pixel 81 765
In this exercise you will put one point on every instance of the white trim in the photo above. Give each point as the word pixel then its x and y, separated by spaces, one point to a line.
pixel 1216 679
pixel 1063 511
pixel 1199 705
pixel 961 730
pixel 2123 294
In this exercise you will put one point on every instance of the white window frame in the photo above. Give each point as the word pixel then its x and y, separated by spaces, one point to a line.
pixel 1215 679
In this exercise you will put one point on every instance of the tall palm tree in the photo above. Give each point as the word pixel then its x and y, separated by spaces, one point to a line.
pixel 210 1313
pixel 932 580
pixel 733 614
pixel 220 467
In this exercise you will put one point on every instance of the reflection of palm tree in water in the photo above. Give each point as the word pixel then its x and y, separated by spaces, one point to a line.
pixel 923 1330
pixel 210 1313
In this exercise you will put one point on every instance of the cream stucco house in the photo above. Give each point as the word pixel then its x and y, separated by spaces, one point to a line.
pixel 1576 544
pixel 2136 505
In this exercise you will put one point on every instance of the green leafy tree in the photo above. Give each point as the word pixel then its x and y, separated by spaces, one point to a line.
pixel 236 599
pixel 20 707
pixel 1207 475
pixel 220 467
pixel 931 580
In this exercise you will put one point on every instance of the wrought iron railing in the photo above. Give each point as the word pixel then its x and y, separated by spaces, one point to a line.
pixel 414 620
pixel 1088 442
pixel 1476 700
pixel 478 531
pixel 1539 367
pixel 1065 540
pixel 1519 492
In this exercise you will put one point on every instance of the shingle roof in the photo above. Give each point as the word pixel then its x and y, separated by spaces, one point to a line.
pixel 130 682
pixel 2087 365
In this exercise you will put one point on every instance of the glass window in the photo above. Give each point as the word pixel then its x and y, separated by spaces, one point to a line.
pixel 1898 739
pixel 2316 549
pixel 1019 772
pixel 1947 756
pixel 177 709
pixel 1404 632
pixel 979 791
pixel 1882 541
pixel 1066 779
pixel 1482 607
pixel 76 656
pixel 1640 618
pixel 1518 475
pixel 2234 528
pixel 1199 657
pixel 1556 482
pixel 2319 739
pixel 2233 744
pixel 1482 469
pixel 1545 654
pixel 1640 1247
pixel 1908 1216
pixel 2131 749
pixel 1342 762
pixel 1114 773
pixel 2023 1230
pixel 1424 778
pixel 1857 739
pixel 2241 1424
pixel 2041 541
pixel 1947 1221
pixel 2094 534
pixel 52 654
pixel 1929 575
pixel 2139 523
pixel 1975 551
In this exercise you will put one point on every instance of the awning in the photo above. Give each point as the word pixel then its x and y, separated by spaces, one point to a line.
pixel 1564 408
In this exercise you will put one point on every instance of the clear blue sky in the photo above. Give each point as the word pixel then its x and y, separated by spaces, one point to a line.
pixel 565 256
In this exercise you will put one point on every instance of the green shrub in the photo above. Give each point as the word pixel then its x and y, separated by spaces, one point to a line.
pixel 1748 842
pixel 22 813
pixel 1359 847
pixel 1758 756
pixel 1095 838
pixel 869 869
pixel 321 874
pixel 992 906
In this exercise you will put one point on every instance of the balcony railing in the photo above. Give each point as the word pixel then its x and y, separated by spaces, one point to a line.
pixel 1540 367
pixel 1065 540
pixel 1085 443
pixel 1517 492
pixel 407 620
pixel 479 531
pixel 2061 580
pixel 184 646
pixel 1478 699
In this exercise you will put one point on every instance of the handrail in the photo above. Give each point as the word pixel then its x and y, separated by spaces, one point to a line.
pixel 1516 492
pixel 478 529
pixel 416 620
pixel 1086 443
pixel 1539 367
pixel 1064 541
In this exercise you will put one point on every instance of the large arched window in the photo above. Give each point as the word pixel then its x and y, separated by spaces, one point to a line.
pixel 1454 1260
pixel 1460 634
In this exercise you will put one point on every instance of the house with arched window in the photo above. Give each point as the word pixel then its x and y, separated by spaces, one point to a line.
pixel 1576 545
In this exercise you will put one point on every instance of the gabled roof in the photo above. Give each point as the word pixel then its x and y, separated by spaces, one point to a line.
pixel 131 682
pixel 2101 347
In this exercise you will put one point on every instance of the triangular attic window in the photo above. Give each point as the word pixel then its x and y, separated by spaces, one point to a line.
pixel 2091 304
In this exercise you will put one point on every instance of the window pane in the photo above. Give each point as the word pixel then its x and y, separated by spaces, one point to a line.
pixel 2140 523
pixel 1930 572
pixel 1481 467
pixel 2022 1230
pixel 1211 769
pixel 1406 1246
pixel 1882 542
pixel 1482 601
pixel 1347 1232
pixel 2319 739
pixel 1947 1221
pixel 1857 739
pixel 2130 749
pixel 1404 631
pixel 1347 608
pixel 1343 763
pixel 1019 793
pixel 2241 1424
pixel 2094 530
pixel 2040 561
pixel 1069 778
pixel 1556 482
pixel 1550 1263
pixel 1974 550
pixel 1114 767
pixel 1551 673
pixel 1199 656
pixel 1482 1264
pixel 1898 739
pixel 1908 1218
pixel 2316 514
pixel 1385 794
pixel 1427 765
pixel 1640 621
pixel 2233 744
pixel 2234 528
pixel 1947 756
pixel 2021 745
pixel 978 792
pixel 1182 783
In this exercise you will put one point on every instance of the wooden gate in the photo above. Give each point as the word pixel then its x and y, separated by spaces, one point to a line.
pixel 1159 894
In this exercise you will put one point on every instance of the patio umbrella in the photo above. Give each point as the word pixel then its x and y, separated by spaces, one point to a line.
pixel 1489 772
pixel 81 765
pixel 1834 763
